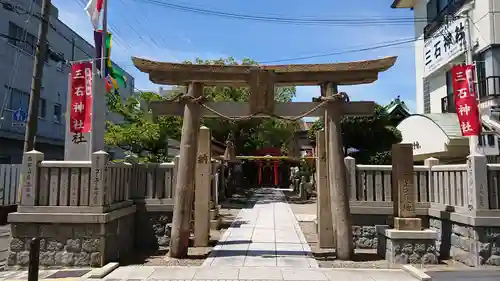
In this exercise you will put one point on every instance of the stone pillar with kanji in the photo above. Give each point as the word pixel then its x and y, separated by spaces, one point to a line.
pixel 202 189
pixel 404 188
pixel 85 118
pixel 418 244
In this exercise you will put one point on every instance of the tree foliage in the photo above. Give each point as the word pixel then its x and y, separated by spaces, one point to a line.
pixel 373 136
pixel 140 135
pixel 247 135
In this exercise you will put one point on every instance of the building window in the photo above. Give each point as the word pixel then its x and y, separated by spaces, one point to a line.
pixel 442 4
pixel 19 100
pixel 481 79
pixel 57 113
pixel 22 39
pixel 432 10
pixel 42 108
pixel 437 12
pixel 427 96
pixel 448 103
pixel 449 87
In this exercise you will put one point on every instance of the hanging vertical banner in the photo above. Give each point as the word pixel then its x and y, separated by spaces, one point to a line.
pixel 81 98
pixel 465 100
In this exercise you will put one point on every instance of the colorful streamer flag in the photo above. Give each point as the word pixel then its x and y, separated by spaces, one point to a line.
pixel 118 76
pixel 109 87
pixel 113 74
pixel 94 11
pixel 98 49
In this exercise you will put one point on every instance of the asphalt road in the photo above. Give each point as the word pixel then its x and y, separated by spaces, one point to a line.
pixel 468 275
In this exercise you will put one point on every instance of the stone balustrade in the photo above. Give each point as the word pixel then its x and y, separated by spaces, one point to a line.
pixel 92 212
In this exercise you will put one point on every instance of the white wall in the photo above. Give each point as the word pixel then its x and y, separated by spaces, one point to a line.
pixel 419 13
pixel 433 141
pixel 495 20
pixel 485 30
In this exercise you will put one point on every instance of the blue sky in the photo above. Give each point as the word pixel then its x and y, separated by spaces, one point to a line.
pixel 153 31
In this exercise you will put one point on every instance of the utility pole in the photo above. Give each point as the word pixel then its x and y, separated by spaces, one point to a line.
pixel 36 82
pixel 469 60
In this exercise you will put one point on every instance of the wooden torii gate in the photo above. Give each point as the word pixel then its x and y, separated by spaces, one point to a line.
pixel 262 81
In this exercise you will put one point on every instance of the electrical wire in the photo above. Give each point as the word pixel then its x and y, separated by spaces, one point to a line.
pixel 22 11
pixel 281 19
pixel 15 68
pixel 380 45
pixel 288 20
pixel 359 50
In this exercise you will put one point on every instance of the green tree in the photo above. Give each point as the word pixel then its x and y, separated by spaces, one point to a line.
pixel 248 135
pixel 139 134
pixel 373 136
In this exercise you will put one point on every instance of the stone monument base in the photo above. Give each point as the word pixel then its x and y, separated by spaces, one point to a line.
pixel 72 240
pixel 408 246
pixel 408 223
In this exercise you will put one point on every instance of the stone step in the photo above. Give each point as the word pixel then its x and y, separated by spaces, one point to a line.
pixel 256 273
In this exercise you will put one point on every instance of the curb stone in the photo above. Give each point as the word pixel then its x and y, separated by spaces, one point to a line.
pixel 417 273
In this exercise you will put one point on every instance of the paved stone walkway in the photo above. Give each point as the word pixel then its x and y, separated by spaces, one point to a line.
pixel 157 273
pixel 266 235
pixel 263 243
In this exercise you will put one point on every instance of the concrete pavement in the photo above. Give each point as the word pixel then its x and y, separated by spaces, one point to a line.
pixel 130 273
pixel 263 243
pixel 266 235
pixel 466 275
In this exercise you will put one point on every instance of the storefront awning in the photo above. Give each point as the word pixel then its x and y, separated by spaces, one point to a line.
pixel 434 135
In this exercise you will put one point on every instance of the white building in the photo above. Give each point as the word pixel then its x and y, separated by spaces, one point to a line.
pixel 19 21
pixel 442 32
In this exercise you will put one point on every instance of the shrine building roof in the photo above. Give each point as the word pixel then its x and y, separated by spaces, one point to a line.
pixel 345 73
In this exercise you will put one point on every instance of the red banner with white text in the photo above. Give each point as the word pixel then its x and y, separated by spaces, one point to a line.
pixel 81 98
pixel 465 99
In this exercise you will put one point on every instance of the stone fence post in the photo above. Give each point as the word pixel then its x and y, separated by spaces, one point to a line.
pixel 325 223
pixel 202 188
pixel 350 167
pixel 176 169
pixel 29 178
pixel 98 178
pixel 477 185
pixel 433 191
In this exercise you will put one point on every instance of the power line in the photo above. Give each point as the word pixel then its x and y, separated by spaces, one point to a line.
pixel 377 47
pixel 381 45
pixel 288 20
pixel 21 11
pixel 17 58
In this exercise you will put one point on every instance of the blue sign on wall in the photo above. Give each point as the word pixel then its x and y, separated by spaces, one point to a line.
pixel 19 118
